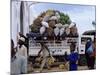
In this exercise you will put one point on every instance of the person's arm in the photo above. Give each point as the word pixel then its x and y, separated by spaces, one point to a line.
pixel 65 58
pixel 86 47
pixel 39 52
pixel 77 62
pixel 77 58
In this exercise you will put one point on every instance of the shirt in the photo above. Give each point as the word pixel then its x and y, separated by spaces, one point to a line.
pixel 73 57
pixel 22 51
pixel 18 65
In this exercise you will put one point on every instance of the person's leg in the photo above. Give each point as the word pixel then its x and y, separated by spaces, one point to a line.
pixel 92 62
pixel 67 65
pixel 43 63
pixel 87 60
pixel 47 65
pixel 73 67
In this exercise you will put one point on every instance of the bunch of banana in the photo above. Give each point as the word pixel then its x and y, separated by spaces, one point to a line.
pixel 51 60
pixel 61 66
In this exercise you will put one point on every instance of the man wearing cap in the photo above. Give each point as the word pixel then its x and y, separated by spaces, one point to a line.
pixel 18 62
pixel 22 50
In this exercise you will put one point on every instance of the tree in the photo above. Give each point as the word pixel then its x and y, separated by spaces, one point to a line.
pixel 64 19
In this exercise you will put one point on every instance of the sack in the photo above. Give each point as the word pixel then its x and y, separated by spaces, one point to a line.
pixel 62 31
pixel 52 23
pixel 56 31
pixel 45 24
pixel 50 31
pixel 42 30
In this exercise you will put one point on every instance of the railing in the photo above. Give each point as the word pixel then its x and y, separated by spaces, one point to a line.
pixel 58 48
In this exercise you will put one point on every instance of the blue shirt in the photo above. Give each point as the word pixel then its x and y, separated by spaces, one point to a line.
pixel 73 57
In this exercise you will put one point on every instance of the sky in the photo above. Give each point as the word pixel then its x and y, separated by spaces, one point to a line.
pixel 82 15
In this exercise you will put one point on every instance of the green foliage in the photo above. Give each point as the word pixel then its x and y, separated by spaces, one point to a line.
pixel 64 19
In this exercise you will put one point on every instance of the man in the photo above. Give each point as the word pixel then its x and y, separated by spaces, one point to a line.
pixel 89 49
pixel 18 65
pixel 45 53
pixel 73 58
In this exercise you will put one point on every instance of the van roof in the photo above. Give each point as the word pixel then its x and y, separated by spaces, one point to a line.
pixel 90 32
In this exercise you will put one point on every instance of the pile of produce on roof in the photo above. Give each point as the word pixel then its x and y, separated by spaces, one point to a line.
pixel 53 24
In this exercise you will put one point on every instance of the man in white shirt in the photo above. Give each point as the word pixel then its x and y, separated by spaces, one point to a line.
pixel 18 62
pixel 18 65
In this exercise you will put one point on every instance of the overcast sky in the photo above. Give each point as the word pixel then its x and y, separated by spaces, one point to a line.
pixel 83 15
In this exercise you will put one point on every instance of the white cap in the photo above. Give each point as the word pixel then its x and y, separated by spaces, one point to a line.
pixel 45 24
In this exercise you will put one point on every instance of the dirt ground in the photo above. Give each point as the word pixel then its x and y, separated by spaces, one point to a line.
pixel 54 69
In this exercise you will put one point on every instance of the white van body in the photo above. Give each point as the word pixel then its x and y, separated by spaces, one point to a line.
pixel 55 48
pixel 82 42
pixel 61 48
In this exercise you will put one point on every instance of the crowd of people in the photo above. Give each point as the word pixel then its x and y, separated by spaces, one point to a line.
pixel 19 56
